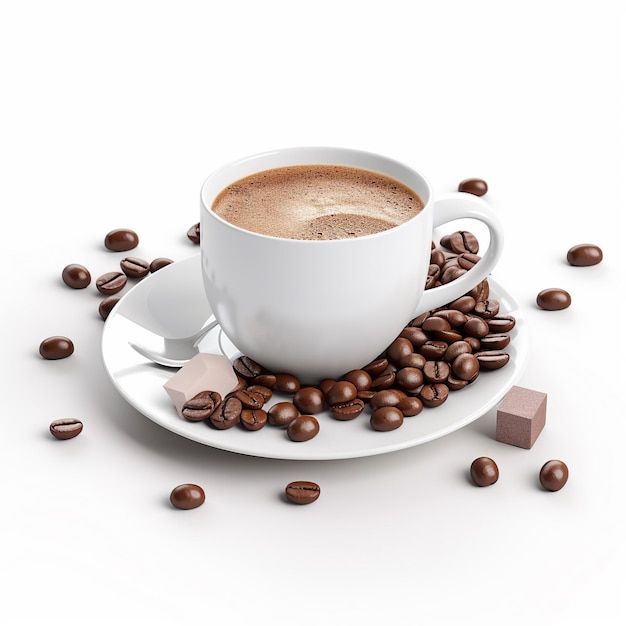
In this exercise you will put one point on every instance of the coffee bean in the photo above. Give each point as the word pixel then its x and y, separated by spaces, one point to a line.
pixel 193 234
pixel 467 260
pixel 282 413
pixel 359 378
pixel 433 395
pixel 584 254
pixel 434 272
pixel 437 257
pixel 76 276
pixel 386 380
pixel 286 383
pixel 250 399
pixel 377 367
pixel 253 419
pixel 111 283
pixel 262 390
pixel 553 299
pixel 466 367
pixel 187 496
pixel 57 347
pixel 501 324
pixel 345 411
pixel 265 380
pixel 302 492
pixel 463 241
pixel 159 263
pixel 66 428
pixel 412 360
pixel 201 406
pixel 455 349
pixel 399 347
pixel 106 306
pixel 553 475
pixel 433 350
pixel 481 291
pixel 415 335
pixel 342 391
pixel 452 273
pixel 121 240
pixel 309 400
pixel 303 428
pixel 386 418
pixel 454 384
pixel 134 267
pixel 487 308
pixel 476 327
pixel 409 377
pixel 410 406
pixel 484 471
pixel 475 186
pixel 465 304
pixel 436 372
pixel 246 367
pixel 495 341
pixel 227 414
pixel 492 359
pixel 454 317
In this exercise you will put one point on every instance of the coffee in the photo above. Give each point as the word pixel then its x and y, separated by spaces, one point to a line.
pixel 314 202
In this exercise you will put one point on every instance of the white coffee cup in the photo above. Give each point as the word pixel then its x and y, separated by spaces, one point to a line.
pixel 300 306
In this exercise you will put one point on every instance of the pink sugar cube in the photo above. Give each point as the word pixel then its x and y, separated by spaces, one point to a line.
pixel 521 416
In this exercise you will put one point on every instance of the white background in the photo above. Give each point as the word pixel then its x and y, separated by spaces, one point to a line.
pixel 112 115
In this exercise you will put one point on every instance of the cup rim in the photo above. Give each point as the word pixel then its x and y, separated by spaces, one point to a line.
pixel 222 176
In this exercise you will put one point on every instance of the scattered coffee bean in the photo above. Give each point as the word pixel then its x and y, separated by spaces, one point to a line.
pixel 111 283
pixel 492 359
pixel 282 413
pixel 228 414
pixel 253 419
pixel 359 378
pixel 309 400
pixel 57 347
pixel 463 241
pixel 484 471
pixel 76 276
pixel 262 390
pixel 286 383
pixel 246 367
pixel 201 406
pixel 303 428
pixel 584 254
pixel 476 186
pixel 386 418
pixel 302 492
pixel 553 299
pixel 433 395
pixel 66 428
pixel 342 391
pixel 553 475
pixel 121 240
pixel 410 406
pixel 386 397
pixel 345 411
pixel 134 267
pixel 250 399
pixel 106 306
pixel 193 234
pixel 158 263
pixel 466 367
pixel 187 496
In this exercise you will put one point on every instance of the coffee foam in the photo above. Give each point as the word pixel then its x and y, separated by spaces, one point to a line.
pixel 317 202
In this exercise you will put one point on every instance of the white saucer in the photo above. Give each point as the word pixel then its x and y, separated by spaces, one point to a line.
pixel 171 302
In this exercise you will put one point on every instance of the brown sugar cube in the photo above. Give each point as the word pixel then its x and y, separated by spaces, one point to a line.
pixel 520 417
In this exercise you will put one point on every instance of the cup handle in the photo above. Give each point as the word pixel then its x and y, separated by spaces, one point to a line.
pixel 461 206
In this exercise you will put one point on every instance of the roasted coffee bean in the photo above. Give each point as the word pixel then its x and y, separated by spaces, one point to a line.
pixel 475 327
pixel 262 390
pixel 484 471
pixel 419 320
pixel 399 347
pixel 475 186
pixel 409 377
pixel 448 336
pixel 454 384
pixel 106 306
pixel 309 400
pixel 246 367
pixel 187 496
pixel 386 418
pixel 436 323
pixel 359 378
pixel 454 317
pixel 436 372
pixel 553 299
pixel 384 381
pixel 410 406
pixel 76 276
pixel 325 384
pixel 159 263
pixel 437 257
pixel 111 283
pixel 452 273
pixel 386 397
pixel 302 492
pixel 365 394
pixel 433 350
pixel 121 240
pixel 465 367
pixel 201 406
pixel 347 410
pixel 253 419
pixel 377 367
pixel 341 391
pixel 495 341
pixel 553 475
pixel 487 308
pixel 265 380
pixel 66 428
pixel 463 241
pixel 467 260
pixel 303 428
pixel 134 267
pixel 481 291
pixel 412 360
pixel 433 395
pixel 57 347
pixel 242 383
pixel 501 324
pixel 474 343
pixel 584 254
pixel 286 383
pixel 465 304
pixel 282 413
pixel 228 413
pixel 456 348
pixel 415 335
pixel 492 359
pixel 434 272
pixel 250 399
pixel 193 234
